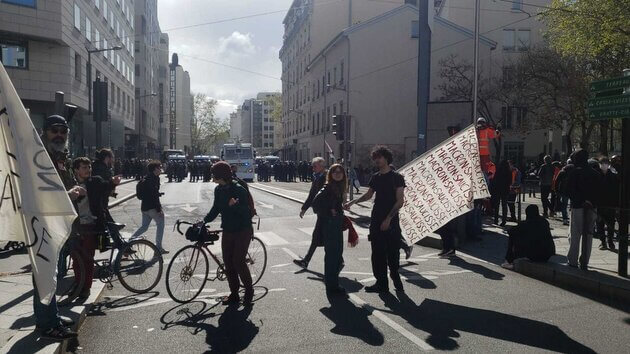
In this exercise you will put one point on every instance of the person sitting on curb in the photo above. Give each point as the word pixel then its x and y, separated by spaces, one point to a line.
pixel 530 239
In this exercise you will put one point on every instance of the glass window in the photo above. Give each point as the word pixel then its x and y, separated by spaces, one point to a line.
pixel 88 29
pixel 97 39
pixel 77 66
pixel 29 3
pixel 508 40
pixel 415 29
pixel 105 53
pixel 111 20
pixel 97 3
pixel 13 55
pixel 523 39
pixel 105 9
pixel 77 17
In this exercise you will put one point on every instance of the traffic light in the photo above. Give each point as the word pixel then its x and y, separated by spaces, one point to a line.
pixel 338 128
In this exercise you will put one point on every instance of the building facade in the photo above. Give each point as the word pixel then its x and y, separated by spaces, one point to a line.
pixel 45 47
pixel 180 107
pixel 235 125
pixel 151 63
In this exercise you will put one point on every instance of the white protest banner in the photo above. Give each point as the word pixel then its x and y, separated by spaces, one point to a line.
pixel 442 185
pixel 35 207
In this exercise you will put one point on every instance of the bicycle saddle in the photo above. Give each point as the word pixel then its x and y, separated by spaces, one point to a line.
pixel 116 226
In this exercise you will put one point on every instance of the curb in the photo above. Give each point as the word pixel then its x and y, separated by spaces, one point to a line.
pixel 56 347
pixel 594 284
pixel 122 200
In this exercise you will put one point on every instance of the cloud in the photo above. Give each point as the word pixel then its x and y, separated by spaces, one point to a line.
pixel 237 44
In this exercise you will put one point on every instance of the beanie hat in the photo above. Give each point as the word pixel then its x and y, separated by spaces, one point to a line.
pixel 222 170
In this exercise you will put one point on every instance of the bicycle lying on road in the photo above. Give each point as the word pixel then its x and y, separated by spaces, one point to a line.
pixel 189 269
pixel 138 264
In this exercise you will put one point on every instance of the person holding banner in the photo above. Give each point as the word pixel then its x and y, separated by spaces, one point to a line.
pixel 385 232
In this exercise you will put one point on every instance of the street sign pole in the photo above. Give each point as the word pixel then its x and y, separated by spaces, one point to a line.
pixel 624 214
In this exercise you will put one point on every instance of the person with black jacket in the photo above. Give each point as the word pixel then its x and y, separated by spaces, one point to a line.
pixel 545 174
pixel 92 216
pixel 610 202
pixel 583 188
pixel 319 179
pixel 530 239
pixel 151 206
pixel 327 204
pixel 231 202
pixel 500 191
pixel 561 188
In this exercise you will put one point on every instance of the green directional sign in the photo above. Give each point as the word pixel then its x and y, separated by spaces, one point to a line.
pixel 611 84
pixel 609 113
pixel 608 102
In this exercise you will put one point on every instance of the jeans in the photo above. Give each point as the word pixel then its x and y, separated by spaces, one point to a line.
pixel 46 316
pixel 564 202
pixel 333 248
pixel 147 216
pixel 234 246
pixel 544 196
pixel 581 233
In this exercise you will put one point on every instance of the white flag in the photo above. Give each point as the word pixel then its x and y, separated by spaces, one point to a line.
pixel 442 185
pixel 35 207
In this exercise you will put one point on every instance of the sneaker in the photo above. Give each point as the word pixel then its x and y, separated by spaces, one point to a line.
pixel 230 300
pixel 376 289
pixel 507 265
pixel 59 333
pixel 84 295
pixel 611 245
pixel 565 222
pixel 442 253
pixel 408 251
pixel 66 321
pixel 502 223
pixel 447 254
pixel 603 246
pixel 163 251
pixel 301 263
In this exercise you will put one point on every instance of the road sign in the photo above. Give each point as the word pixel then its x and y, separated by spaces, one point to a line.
pixel 608 102
pixel 609 113
pixel 611 84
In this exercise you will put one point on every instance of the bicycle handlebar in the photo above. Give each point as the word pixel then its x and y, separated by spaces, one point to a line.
pixel 180 222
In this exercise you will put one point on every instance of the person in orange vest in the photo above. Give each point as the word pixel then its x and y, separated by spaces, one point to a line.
pixel 484 134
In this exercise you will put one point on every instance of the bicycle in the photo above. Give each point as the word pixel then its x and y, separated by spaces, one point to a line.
pixel 137 264
pixel 189 268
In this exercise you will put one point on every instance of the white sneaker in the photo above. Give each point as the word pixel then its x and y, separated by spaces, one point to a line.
pixel 507 265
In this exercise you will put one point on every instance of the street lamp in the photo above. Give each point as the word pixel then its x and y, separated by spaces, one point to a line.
pixel 152 94
pixel 89 80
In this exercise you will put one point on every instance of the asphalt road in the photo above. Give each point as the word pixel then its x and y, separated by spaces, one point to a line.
pixel 458 304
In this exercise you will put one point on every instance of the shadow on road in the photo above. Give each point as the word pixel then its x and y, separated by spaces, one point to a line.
pixel 417 279
pixel 98 308
pixel 351 320
pixel 443 321
pixel 234 331
pixel 476 268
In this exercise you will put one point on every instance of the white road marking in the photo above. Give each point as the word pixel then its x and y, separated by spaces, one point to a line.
pixel 188 208
pixel 395 326
pixel 290 253
pixel 150 329
pixel 280 265
pixel 307 230
pixel 265 205
pixel 357 273
pixel 270 238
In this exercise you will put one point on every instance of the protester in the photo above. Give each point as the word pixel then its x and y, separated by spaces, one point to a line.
pixel 231 202
pixel 92 217
pixel 554 203
pixel 102 167
pixel 583 188
pixel 448 233
pixel 354 181
pixel 530 239
pixel 485 133
pixel 606 213
pixel 327 204
pixel 515 189
pixel 319 179
pixel 55 140
pixel 545 174
pixel 385 233
pixel 500 190
pixel 151 207
pixel 561 188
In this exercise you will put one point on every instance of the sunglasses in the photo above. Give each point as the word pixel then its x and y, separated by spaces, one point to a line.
pixel 59 130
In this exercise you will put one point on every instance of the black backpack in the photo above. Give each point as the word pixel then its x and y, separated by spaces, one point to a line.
pixel 141 188
pixel 250 199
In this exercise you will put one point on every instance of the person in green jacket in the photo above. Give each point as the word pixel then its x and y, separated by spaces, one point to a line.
pixel 231 202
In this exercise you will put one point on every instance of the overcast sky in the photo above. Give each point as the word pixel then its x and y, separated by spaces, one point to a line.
pixel 250 43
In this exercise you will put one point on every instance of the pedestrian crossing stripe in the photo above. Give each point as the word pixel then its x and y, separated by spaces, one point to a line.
pixel 271 238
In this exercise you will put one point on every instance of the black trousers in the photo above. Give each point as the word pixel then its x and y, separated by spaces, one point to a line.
pixel 606 219
pixel 234 246
pixel 385 254
pixel 544 196
pixel 496 199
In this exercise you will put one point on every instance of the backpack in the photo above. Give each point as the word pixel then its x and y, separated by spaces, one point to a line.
pixel 250 199
pixel 141 189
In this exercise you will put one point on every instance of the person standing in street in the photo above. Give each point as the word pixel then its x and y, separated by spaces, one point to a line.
pixel 102 167
pixel 149 194
pixel 385 232
pixel 92 216
pixel 327 204
pixel 55 139
pixel 319 179
pixel 231 202
pixel 500 191
pixel 583 188
pixel 606 213
pixel 545 174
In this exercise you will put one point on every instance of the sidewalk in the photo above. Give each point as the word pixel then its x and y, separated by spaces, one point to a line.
pixel 17 322
pixel 601 281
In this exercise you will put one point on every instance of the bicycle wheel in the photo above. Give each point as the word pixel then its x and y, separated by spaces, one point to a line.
pixel 256 259
pixel 139 266
pixel 186 274
pixel 70 277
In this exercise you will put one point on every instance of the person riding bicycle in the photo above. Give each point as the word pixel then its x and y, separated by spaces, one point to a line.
pixel 92 216
pixel 231 201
